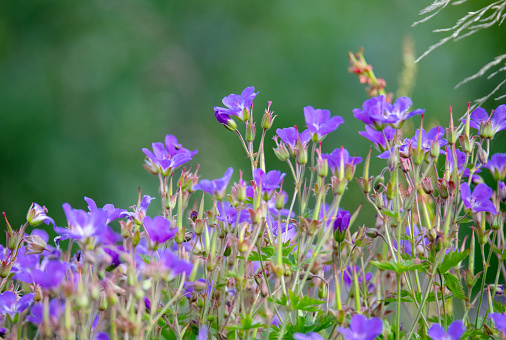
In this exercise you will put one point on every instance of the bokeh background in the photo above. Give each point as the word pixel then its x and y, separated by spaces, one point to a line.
pixel 85 85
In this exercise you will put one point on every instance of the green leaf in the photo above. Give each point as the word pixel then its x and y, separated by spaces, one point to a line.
pixel 455 286
pixel 499 307
pixel 452 259
pixel 400 267
pixel 145 258
pixel 246 322
pixel 390 213
pixel 305 303
pixel 287 248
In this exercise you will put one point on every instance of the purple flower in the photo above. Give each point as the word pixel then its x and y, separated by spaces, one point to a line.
pixel 82 225
pixel 406 245
pixel 497 166
pixel 174 265
pixel 37 214
pixel 348 275
pixel 216 187
pixel 432 140
pixel 269 181
pixel 139 213
pixel 378 113
pixel 461 160
pixel 341 224
pixel 112 213
pixel 488 126
pixel 56 308
pixel 455 331
pixel 479 200
pixel 308 336
pixel 362 329
pixel 340 162
pixel 228 214
pixel 290 136
pixel 158 229
pixel 377 136
pixel 237 105
pixel 500 321
pixel 320 123
pixel 51 275
pixel 10 305
pixel 167 157
pixel 203 333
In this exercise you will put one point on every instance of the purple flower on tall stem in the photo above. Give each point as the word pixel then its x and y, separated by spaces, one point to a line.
pixel 158 229
pixel 10 305
pixel 435 135
pixel 461 160
pixel 167 157
pixel 308 336
pixel 237 105
pixel 406 245
pixel 341 224
pixel 112 212
pixel 348 275
pixel 340 162
pixel 455 331
pixel 37 214
pixel 378 138
pixel 51 276
pixel 378 113
pixel 479 200
pixel 497 166
pixel 362 329
pixel 269 181
pixel 228 214
pixel 320 123
pixel 488 125
pixel 290 136
pixel 216 187
pixel 82 225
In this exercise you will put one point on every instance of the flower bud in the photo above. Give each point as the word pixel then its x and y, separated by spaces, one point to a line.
pixel 279 200
pixel 349 171
pixel 392 161
pixel 322 167
pixel 372 232
pixel 501 192
pixel 102 302
pixel 338 186
pixel 482 156
pixel 451 135
pixel 180 235
pixel 341 225
pixel 198 227
pixel 427 186
pixel 301 155
pixel 35 244
pixel 405 165
pixel 391 193
pixel 250 132
pixel 466 144
pixel 497 222
pixel 5 268
pixel 486 130
pixel 136 239
pixel 267 120
pixel 442 186
pixel 36 215
pixel 323 291
pixel 378 180
pixel 471 279
pixel 282 152
pixel 231 125
pixel 14 239
pixel 227 251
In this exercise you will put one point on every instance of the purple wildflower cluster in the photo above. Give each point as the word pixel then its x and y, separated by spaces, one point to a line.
pixel 252 260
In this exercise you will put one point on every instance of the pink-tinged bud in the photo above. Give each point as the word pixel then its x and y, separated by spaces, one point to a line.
pixel 180 235
pixel 442 186
pixel 338 186
pixel 36 245
pixel 322 166
pixel 5 268
pixel 405 165
pixel 427 186
pixel 466 144
pixel 365 184
pixel 198 228
pixel 268 118
pixel 279 200
pixel 451 132
pixel 126 228
pixel 349 171
pixel 14 239
pixel 102 302
pixel 391 193
pixel 37 214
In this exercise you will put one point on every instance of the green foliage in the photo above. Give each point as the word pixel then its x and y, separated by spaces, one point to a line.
pixel 452 259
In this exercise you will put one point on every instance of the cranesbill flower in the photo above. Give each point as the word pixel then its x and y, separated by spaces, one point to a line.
pixel 158 229
pixel 479 200
pixel 10 305
pixel 82 225
pixel 320 123
pixel 269 181
pixel 378 113
pixel 56 308
pixel 500 322
pixel 461 159
pixel 203 333
pixel 455 331
pixel 308 336
pixel 341 163
pixel 139 212
pixel 378 138
pixel 112 213
pixel 237 105
pixel 37 214
pixel 215 187
pixel 406 245
pixel 348 275
pixel 497 166
pixel 167 157
pixel 341 224
pixel 488 126
pixel 51 275
pixel 228 214
pixel 174 265
pixel 290 136
pixel 362 329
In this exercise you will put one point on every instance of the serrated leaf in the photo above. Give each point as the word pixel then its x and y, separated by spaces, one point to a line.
pixel 287 248
pixel 304 303
pixel 452 259
pixel 390 213
pixel 246 322
pixel 400 267
pixel 145 258
pixel 455 286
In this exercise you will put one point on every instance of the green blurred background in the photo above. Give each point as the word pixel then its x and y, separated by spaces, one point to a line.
pixel 85 85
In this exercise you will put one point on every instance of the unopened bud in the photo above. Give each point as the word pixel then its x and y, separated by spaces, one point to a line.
pixel 372 232
pixel 231 125
pixel 405 165
pixel 323 291
pixel 136 239
pixel 391 193
pixel 250 132
pixel 338 186
pixel 482 156
pixel 227 251
pixel 378 180
pixel 282 152
pixel 301 155
pixel 427 186
pixel 198 228
pixel 465 143
pixel 102 304
pixel 279 200
pixel 267 120
pixel 322 167
pixel 486 130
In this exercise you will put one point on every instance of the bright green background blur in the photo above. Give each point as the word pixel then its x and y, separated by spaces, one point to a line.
pixel 85 85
